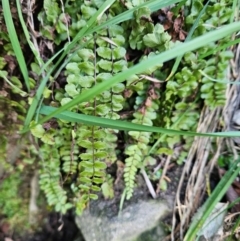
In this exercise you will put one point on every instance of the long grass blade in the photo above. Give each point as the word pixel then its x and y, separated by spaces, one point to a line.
pixel 15 42
pixel 124 125
pixel 161 58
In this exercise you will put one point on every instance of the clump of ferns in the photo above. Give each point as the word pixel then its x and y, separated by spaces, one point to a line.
pixel 58 157
pixel 195 80
pixel 212 67
pixel 214 77
pixel 180 106
pixel 97 61
pixel 58 25
pixel 51 181
pixel 98 57
pixel 144 35
pixel 146 106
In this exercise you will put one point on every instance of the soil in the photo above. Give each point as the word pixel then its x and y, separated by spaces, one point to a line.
pixel 55 228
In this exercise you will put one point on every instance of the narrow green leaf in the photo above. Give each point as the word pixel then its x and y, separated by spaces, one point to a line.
pixel 215 197
pixel 124 125
pixel 14 41
pixel 144 65
pixel 217 80
pixel 152 5
pixel 218 48
pixel 27 35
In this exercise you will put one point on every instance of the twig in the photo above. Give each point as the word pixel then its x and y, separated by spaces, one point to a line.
pixel 148 182
pixel 164 171
pixel 33 208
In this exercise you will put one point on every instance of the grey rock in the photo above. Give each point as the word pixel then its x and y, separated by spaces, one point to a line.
pixel 139 221
pixel 212 228
pixel 236 118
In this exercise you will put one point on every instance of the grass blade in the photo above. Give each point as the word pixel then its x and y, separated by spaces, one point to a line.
pixel 124 125
pixel 161 58
pixel 15 42
pixel 216 196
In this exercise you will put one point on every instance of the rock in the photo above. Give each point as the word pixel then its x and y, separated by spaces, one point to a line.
pixel 139 221
pixel 212 228
pixel 236 118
